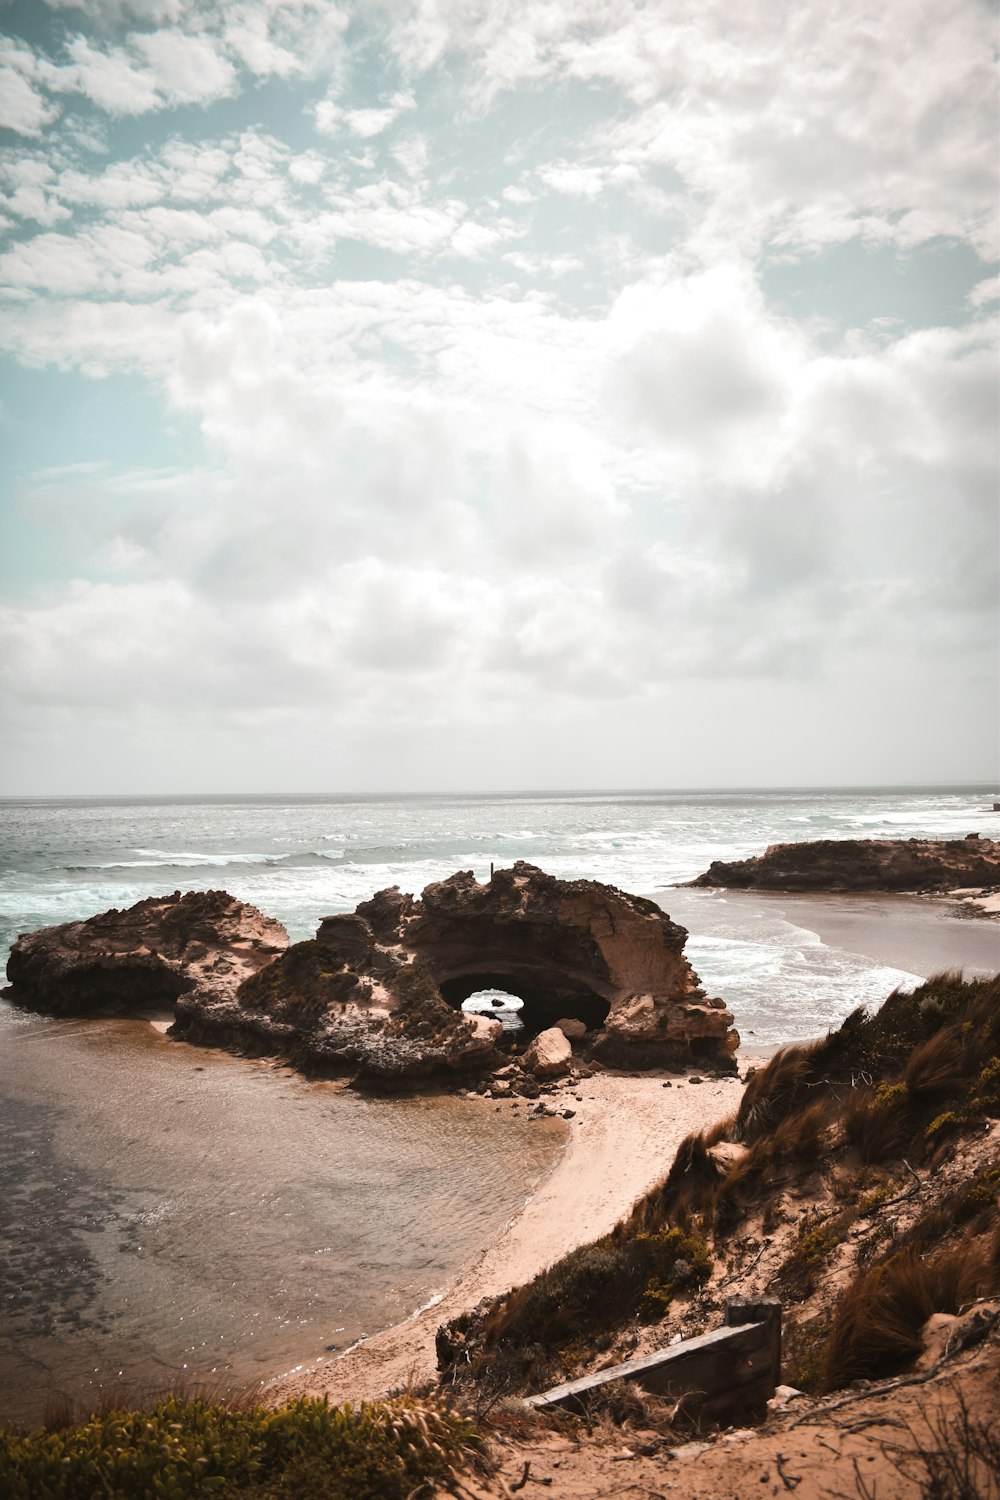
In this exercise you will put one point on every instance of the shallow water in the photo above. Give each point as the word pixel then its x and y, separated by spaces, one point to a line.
pixel 170 1211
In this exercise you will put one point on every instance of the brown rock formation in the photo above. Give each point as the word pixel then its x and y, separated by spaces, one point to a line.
pixel 203 944
pixel 568 948
pixel 379 991
pixel 863 865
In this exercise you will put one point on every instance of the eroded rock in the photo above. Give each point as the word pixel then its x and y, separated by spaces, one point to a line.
pixel 378 991
pixel 862 865
pixel 204 943
pixel 573 1029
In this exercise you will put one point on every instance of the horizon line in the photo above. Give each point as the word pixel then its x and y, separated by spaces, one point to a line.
pixel 976 783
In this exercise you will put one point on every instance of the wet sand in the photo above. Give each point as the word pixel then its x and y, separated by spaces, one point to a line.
pixel 623 1137
pixel 921 935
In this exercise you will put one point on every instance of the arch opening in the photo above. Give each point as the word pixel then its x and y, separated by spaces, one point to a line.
pixel 544 1001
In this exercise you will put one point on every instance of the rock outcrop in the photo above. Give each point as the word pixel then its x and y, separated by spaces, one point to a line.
pixel 863 865
pixel 378 991
pixel 203 944
pixel 568 948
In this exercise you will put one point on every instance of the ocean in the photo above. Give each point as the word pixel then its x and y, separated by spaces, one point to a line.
pixel 175 1212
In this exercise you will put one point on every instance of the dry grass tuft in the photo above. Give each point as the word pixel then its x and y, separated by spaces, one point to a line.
pixel 876 1124
pixel 778 1089
pixel 877 1324
pixel 941 1064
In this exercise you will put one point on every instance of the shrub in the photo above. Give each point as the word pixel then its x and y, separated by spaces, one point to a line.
pixel 941 1127
pixel 191 1448
pixel 803 1353
pixel 532 1334
pixel 810 1253
pixel 986 1094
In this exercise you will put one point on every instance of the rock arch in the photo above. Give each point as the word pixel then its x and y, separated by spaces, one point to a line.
pixel 548 996
pixel 566 944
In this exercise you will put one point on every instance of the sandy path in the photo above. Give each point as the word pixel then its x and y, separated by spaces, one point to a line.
pixel 622 1141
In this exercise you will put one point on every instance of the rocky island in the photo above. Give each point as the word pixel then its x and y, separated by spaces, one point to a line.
pixel 378 992
pixel 863 865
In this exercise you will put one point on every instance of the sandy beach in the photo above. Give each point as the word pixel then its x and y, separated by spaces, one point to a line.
pixel 626 1128
pixel 622 1140
pixel 921 935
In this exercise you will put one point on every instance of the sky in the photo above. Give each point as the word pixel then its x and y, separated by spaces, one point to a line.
pixel 461 394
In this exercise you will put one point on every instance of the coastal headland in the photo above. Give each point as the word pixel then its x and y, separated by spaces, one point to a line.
pixel 825 1176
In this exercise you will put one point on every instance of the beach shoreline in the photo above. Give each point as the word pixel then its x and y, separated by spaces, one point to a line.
pixel 622 1138
pixel 626 1129
pixel 917 934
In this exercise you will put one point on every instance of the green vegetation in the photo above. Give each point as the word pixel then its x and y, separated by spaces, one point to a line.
pixel 541 1331
pixel 181 1448
pixel 813 1248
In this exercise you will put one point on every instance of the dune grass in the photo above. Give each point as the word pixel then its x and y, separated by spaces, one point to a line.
pixel 899 1085
pixel 185 1449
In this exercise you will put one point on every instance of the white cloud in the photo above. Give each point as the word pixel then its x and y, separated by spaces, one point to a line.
pixel 332 119
pixel 434 494
pixel 22 108
pixel 112 80
pixel 572 179
pixel 852 118
pixel 985 291
pixel 186 69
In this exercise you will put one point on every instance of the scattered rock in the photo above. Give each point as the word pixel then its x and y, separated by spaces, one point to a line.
pixel 783 1394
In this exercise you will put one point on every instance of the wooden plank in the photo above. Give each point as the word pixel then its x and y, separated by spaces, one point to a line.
pixel 711 1364
pixel 740 1310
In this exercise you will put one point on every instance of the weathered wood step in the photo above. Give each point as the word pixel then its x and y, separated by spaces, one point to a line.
pixel 735 1366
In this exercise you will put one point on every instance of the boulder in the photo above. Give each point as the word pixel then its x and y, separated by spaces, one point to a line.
pixel 572 1029
pixel 550 1054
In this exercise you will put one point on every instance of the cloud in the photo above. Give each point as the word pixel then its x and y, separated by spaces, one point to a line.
pixel 22 108
pixel 536 455
pixel 332 119
pixel 187 69
pixel 855 119
pixel 156 70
